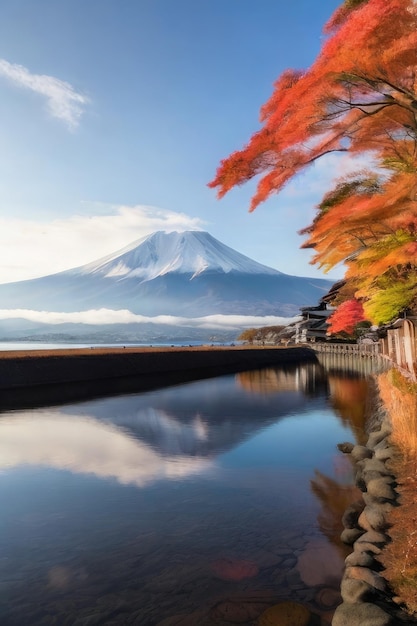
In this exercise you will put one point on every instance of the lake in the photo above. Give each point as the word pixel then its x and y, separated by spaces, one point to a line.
pixel 211 501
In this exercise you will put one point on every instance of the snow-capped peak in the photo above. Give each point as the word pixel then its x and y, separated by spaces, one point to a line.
pixel 189 252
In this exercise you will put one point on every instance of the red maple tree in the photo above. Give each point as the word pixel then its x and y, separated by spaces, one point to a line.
pixel 359 97
pixel 346 317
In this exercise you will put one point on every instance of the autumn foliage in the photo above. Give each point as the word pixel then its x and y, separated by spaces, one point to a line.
pixel 346 317
pixel 359 97
pixel 259 335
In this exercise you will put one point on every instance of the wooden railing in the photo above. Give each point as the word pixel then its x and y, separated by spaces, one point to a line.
pixel 362 349
pixel 400 354
pixel 400 348
pixel 364 359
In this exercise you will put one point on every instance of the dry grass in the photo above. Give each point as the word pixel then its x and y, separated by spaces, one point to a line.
pixel 399 397
pixel 400 556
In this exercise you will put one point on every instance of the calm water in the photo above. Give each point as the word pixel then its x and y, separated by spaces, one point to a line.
pixel 206 500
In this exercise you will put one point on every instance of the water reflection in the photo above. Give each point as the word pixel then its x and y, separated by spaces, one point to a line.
pixel 310 379
pixel 187 500
pixel 351 364
pixel 136 439
pixel 200 419
pixel 335 495
pixel 88 446
pixel 348 396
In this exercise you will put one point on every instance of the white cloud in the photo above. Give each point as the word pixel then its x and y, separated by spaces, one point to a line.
pixel 29 248
pixel 63 101
pixel 124 316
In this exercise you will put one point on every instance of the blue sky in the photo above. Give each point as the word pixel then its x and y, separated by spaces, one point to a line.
pixel 115 114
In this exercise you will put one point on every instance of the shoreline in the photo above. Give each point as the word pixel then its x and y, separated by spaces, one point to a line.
pixel 37 377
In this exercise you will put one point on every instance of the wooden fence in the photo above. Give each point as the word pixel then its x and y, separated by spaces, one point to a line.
pixel 398 348
pixel 363 349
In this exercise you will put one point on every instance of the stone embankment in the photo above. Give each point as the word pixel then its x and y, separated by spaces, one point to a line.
pixel 367 600
pixel 30 378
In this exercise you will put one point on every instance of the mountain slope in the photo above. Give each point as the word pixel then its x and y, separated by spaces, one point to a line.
pixel 192 253
pixel 188 274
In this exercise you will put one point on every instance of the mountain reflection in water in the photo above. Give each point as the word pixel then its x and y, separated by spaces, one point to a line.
pixel 136 508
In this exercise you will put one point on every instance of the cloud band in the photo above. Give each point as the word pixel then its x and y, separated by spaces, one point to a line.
pixel 108 316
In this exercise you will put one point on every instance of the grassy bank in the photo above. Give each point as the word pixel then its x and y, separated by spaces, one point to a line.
pixel 399 399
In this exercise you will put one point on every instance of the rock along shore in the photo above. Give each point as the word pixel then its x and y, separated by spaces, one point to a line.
pixel 367 598
pixel 30 378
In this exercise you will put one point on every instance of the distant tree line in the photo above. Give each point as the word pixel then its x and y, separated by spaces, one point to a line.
pixel 260 335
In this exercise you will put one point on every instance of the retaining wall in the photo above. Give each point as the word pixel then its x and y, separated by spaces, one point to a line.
pixel 32 378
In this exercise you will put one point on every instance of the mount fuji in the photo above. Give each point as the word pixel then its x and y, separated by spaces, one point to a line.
pixel 189 274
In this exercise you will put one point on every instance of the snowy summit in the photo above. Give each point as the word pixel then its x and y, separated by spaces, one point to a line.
pixel 190 252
